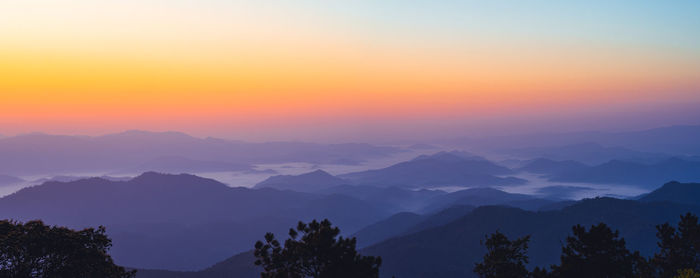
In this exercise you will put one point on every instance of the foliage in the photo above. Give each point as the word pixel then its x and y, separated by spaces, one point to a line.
pixel 687 273
pixel 598 252
pixel 318 253
pixel 33 249
pixel 679 248
pixel 505 258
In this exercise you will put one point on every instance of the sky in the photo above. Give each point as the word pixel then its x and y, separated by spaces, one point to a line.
pixel 347 70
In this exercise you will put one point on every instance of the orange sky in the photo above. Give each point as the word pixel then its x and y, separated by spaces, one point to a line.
pixel 142 64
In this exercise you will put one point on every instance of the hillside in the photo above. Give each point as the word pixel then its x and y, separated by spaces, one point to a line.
pixel 634 173
pixel 484 196
pixel 676 192
pixel 152 217
pixel 451 250
pixel 440 169
pixel 308 182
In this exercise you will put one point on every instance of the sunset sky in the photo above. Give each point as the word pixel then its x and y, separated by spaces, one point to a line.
pixel 343 70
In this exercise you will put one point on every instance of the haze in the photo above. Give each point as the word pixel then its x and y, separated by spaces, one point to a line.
pixel 338 71
pixel 448 138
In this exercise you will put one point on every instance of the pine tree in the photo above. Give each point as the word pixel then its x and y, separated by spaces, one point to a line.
pixel 318 253
pixel 505 258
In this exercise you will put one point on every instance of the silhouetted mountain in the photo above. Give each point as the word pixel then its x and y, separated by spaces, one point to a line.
pixel 387 228
pixel 558 205
pixel 549 167
pixel 350 213
pixel 679 140
pixel 484 196
pixel 441 218
pixel 590 153
pixel 404 199
pixel 9 180
pixel 440 169
pixel 453 156
pixel 181 222
pixel 447 244
pixel 405 223
pixel 241 265
pixel 451 250
pixel 64 178
pixel 684 193
pixel 55 154
pixel 238 266
pixel 308 182
pixel 675 140
pixel 646 175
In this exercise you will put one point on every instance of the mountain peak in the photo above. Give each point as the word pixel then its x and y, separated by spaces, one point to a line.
pixel 172 179
pixel 307 182
pixel 318 172
pixel 449 156
pixel 135 133
pixel 676 192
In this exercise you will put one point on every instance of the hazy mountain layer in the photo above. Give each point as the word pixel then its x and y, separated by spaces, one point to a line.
pixel 182 221
pixel 441 169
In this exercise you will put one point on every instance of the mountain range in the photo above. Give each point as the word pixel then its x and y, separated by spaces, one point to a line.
pixel 680 140
pixel 42 154
pixel 643 175
pixel 452 250
pixel 308 182
pixel 440 169
pixel 449 245
pixel 633 173
pixel 675 192
pixel 588 153
pixel 152 218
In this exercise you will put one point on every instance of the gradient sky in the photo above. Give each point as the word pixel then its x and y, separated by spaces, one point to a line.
pixel 347 70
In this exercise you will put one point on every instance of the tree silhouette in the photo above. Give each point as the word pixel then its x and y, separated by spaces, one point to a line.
pixel 679 249
pixel 33 249
pixel 598 252
pixel 505 258
pixel 687 273
pixel 318 253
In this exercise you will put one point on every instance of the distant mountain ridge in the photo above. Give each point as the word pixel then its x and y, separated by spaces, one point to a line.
pixel 674 140
pixel 440 169
pixel 238 266
pixel 44 154
pixel 449 244
pixel 675 192
pixel 308 182
pixel 632 173
pixel 589 153
pixel 406 223
pixel 152 217
pixel 484 196
pixel 451 156
pixel 405 199
pixel 452 249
